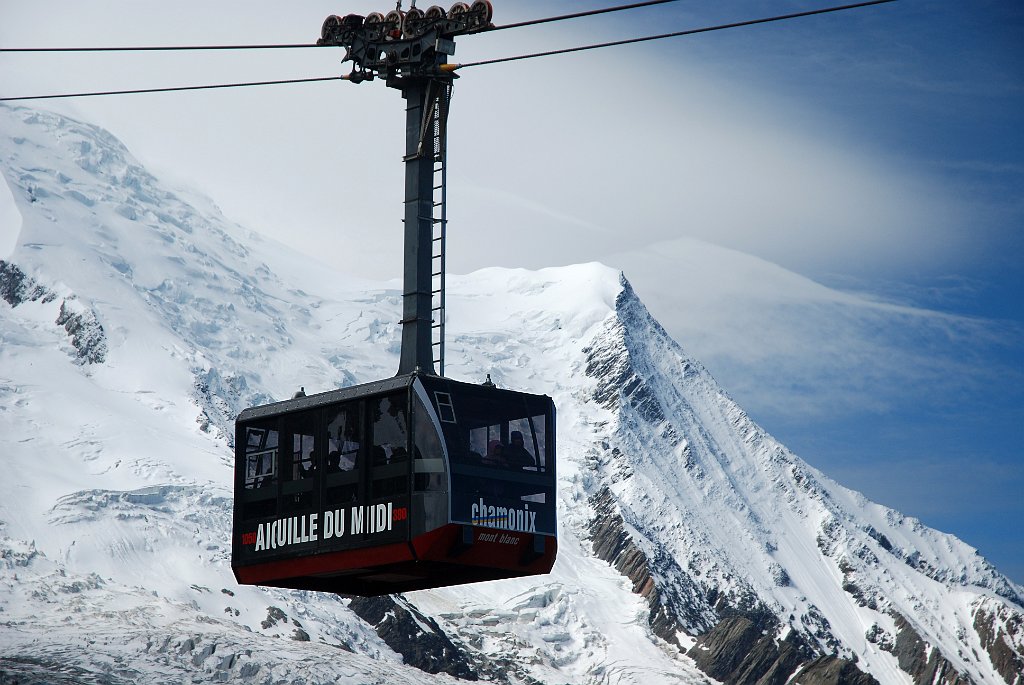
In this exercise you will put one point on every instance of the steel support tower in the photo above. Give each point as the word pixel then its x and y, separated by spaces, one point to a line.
pixel 425 225
pixel 409 51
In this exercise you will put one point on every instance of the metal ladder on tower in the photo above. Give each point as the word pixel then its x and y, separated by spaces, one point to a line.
pixel 439 219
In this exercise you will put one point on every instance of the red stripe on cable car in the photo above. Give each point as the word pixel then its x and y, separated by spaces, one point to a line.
pixel 331 562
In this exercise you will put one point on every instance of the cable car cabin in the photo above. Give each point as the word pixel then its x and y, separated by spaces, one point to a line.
pixel 404 484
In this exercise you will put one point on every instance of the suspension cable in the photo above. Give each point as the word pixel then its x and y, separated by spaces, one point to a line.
pixel 577 15
pixel 674 34
pixel 172 89
pixel 291 46
pixel 450 67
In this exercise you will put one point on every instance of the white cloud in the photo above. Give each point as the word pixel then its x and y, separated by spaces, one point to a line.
pixel 652 156
pixel 621 142
pixel 612 156
pixel 791 349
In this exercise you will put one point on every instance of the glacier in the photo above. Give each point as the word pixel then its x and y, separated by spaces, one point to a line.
pixel 137 321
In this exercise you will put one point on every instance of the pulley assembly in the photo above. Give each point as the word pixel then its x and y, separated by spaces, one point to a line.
pixel 399 44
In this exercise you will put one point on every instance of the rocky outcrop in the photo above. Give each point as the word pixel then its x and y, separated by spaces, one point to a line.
pixel 86 333
pixel 669 615
pixel 739 639
pixel 995 630
pixel 619 383
pixel 830 670
pixel 417 637
pixel 16 287
pixel 741 650
pixel 925 663
pixel 81 324
pixel 220 399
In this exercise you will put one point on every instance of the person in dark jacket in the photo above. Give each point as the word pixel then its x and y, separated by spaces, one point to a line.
pixel 516 455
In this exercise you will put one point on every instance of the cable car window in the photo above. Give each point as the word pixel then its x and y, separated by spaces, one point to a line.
pixel 537 429
pixel 342 438
pixel 260 457
pixel 259 466
pixel 390 429
pixel 428 466
pixel 445 408
pixel 515 444
pixel 502 474
pixel 485 445
pixel 389 451
pixel 302 456
pixel 298 482
pixel 516 454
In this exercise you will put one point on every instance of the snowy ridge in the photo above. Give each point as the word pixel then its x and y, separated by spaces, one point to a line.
pixel 825 561
pixel 115 512
pixel 135 481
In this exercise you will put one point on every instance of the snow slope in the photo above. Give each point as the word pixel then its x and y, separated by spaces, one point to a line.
pixel 821 558
pixel 137 321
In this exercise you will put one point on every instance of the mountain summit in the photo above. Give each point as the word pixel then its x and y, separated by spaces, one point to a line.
pixel 137 321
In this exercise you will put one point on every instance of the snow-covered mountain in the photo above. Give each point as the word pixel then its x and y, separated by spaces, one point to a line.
pixel 137 321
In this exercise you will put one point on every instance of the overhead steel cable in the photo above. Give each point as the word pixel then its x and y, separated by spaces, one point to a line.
pixel 173 89
pixel 292 46
pixel 674 34
pixel 446 67
pixel 170 48
pixel 530 22
pixel 577 15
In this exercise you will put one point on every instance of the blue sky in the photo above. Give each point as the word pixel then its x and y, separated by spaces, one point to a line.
pixel 860 175
pixel 878 152
pixel 938 89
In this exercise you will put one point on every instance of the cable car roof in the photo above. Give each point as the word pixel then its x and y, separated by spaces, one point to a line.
pixel 329 397
pixel 380 387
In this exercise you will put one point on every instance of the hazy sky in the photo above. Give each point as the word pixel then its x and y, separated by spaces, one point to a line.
pixel 829 212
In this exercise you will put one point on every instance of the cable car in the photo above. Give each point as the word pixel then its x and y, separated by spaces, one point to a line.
pixel 413 482
pixel 416 481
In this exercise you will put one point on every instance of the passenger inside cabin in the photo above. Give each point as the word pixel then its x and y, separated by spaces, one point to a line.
pixel 495 454
pixel 308 467
pixel 333 462
pixel 516 454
